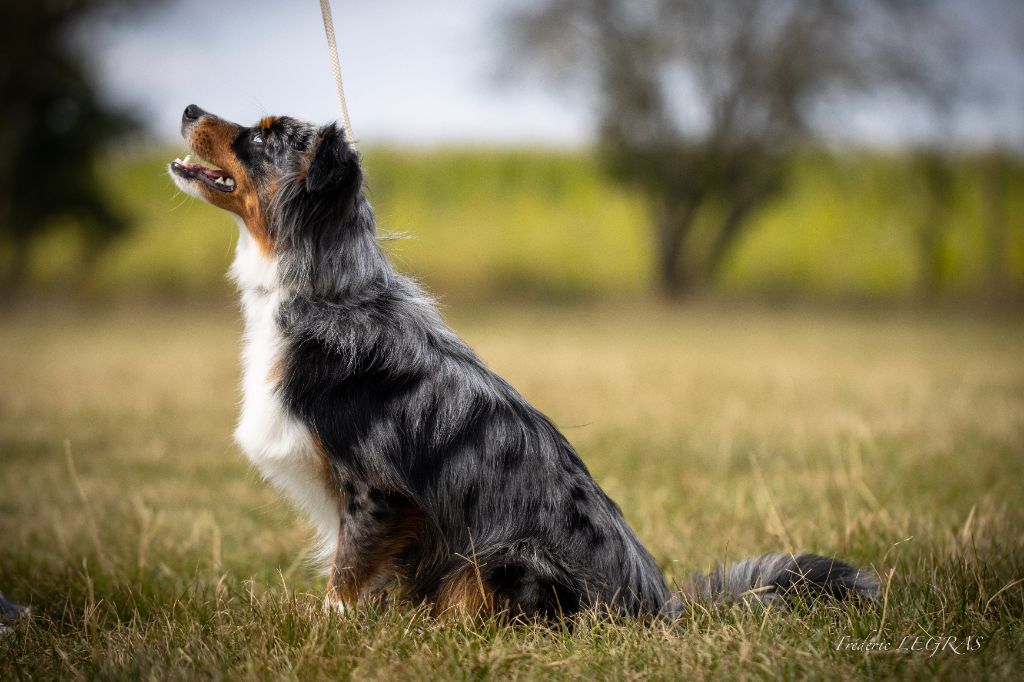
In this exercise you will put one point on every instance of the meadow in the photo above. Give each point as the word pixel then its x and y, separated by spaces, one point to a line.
pixel 886 433
pixel 542 224
pixel 148 549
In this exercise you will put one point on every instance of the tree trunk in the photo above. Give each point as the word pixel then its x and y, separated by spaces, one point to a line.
pixel 12 282
pixel 732 226
pixel 994 191
pixel 938 181
pixel 931 242
pixel 672 227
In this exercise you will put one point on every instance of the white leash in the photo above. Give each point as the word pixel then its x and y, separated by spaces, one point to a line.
pixel 332 45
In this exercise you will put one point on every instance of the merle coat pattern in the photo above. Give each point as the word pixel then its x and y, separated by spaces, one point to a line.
pixel 443 483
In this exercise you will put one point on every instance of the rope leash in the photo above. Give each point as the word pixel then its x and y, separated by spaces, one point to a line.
pixel 332 45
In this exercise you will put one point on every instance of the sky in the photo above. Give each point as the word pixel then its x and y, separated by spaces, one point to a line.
pixel 414 72
pixel 427 73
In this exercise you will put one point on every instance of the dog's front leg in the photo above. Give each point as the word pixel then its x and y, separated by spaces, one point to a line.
pixel 339 595
pixel 376 528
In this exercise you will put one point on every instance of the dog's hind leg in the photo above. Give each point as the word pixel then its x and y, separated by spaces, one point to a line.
pixel 510 579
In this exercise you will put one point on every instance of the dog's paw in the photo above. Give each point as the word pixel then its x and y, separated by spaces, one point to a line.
pixel 335 605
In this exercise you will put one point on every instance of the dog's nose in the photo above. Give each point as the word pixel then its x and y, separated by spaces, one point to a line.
pixel 192 113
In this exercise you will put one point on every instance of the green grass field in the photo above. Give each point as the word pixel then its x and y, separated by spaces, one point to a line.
pixel 148 549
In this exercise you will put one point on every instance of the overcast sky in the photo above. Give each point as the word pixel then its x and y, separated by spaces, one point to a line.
pixel 418 71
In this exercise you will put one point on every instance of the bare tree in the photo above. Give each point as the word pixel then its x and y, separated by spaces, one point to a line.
pixel 700 101
pixel 54 125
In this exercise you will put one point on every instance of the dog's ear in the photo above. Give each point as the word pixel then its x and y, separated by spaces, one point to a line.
pixel 335 165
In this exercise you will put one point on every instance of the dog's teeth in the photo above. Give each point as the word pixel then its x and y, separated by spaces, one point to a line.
pixel 177 160
pixel 187 157
pixel 219 181
pixel 230 182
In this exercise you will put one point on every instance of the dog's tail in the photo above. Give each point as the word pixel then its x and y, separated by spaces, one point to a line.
pixel 782 577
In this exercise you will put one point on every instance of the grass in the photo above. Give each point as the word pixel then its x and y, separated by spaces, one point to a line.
pixel 544 224
pixel 147 548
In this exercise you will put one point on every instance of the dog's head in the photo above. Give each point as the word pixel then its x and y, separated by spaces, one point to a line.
pixel 280 166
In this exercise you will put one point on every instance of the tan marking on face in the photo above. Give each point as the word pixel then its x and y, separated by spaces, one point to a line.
pixel 211 139
pixel 267 121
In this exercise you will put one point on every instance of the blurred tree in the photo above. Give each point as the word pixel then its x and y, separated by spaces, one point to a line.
pixel 699 101
pixel 936 169
pixel 995 180
pixel 53 126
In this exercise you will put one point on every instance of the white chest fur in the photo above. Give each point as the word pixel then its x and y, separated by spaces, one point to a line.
pixel 272 438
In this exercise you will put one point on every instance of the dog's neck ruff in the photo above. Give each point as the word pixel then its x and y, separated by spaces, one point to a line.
pixel 272 438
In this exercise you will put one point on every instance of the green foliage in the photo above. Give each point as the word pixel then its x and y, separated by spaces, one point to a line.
pixel 547 224
pixel 54 126
pixel 851 227
pixel 148 549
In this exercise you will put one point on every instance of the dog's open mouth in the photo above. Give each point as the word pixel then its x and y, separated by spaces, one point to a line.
pixel 214 177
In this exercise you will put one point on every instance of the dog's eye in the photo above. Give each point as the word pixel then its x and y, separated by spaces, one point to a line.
pixel 257 138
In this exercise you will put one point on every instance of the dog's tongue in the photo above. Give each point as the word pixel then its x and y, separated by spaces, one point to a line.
pixel 212 173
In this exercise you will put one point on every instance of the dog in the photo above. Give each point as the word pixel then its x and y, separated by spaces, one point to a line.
pixel 425 474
